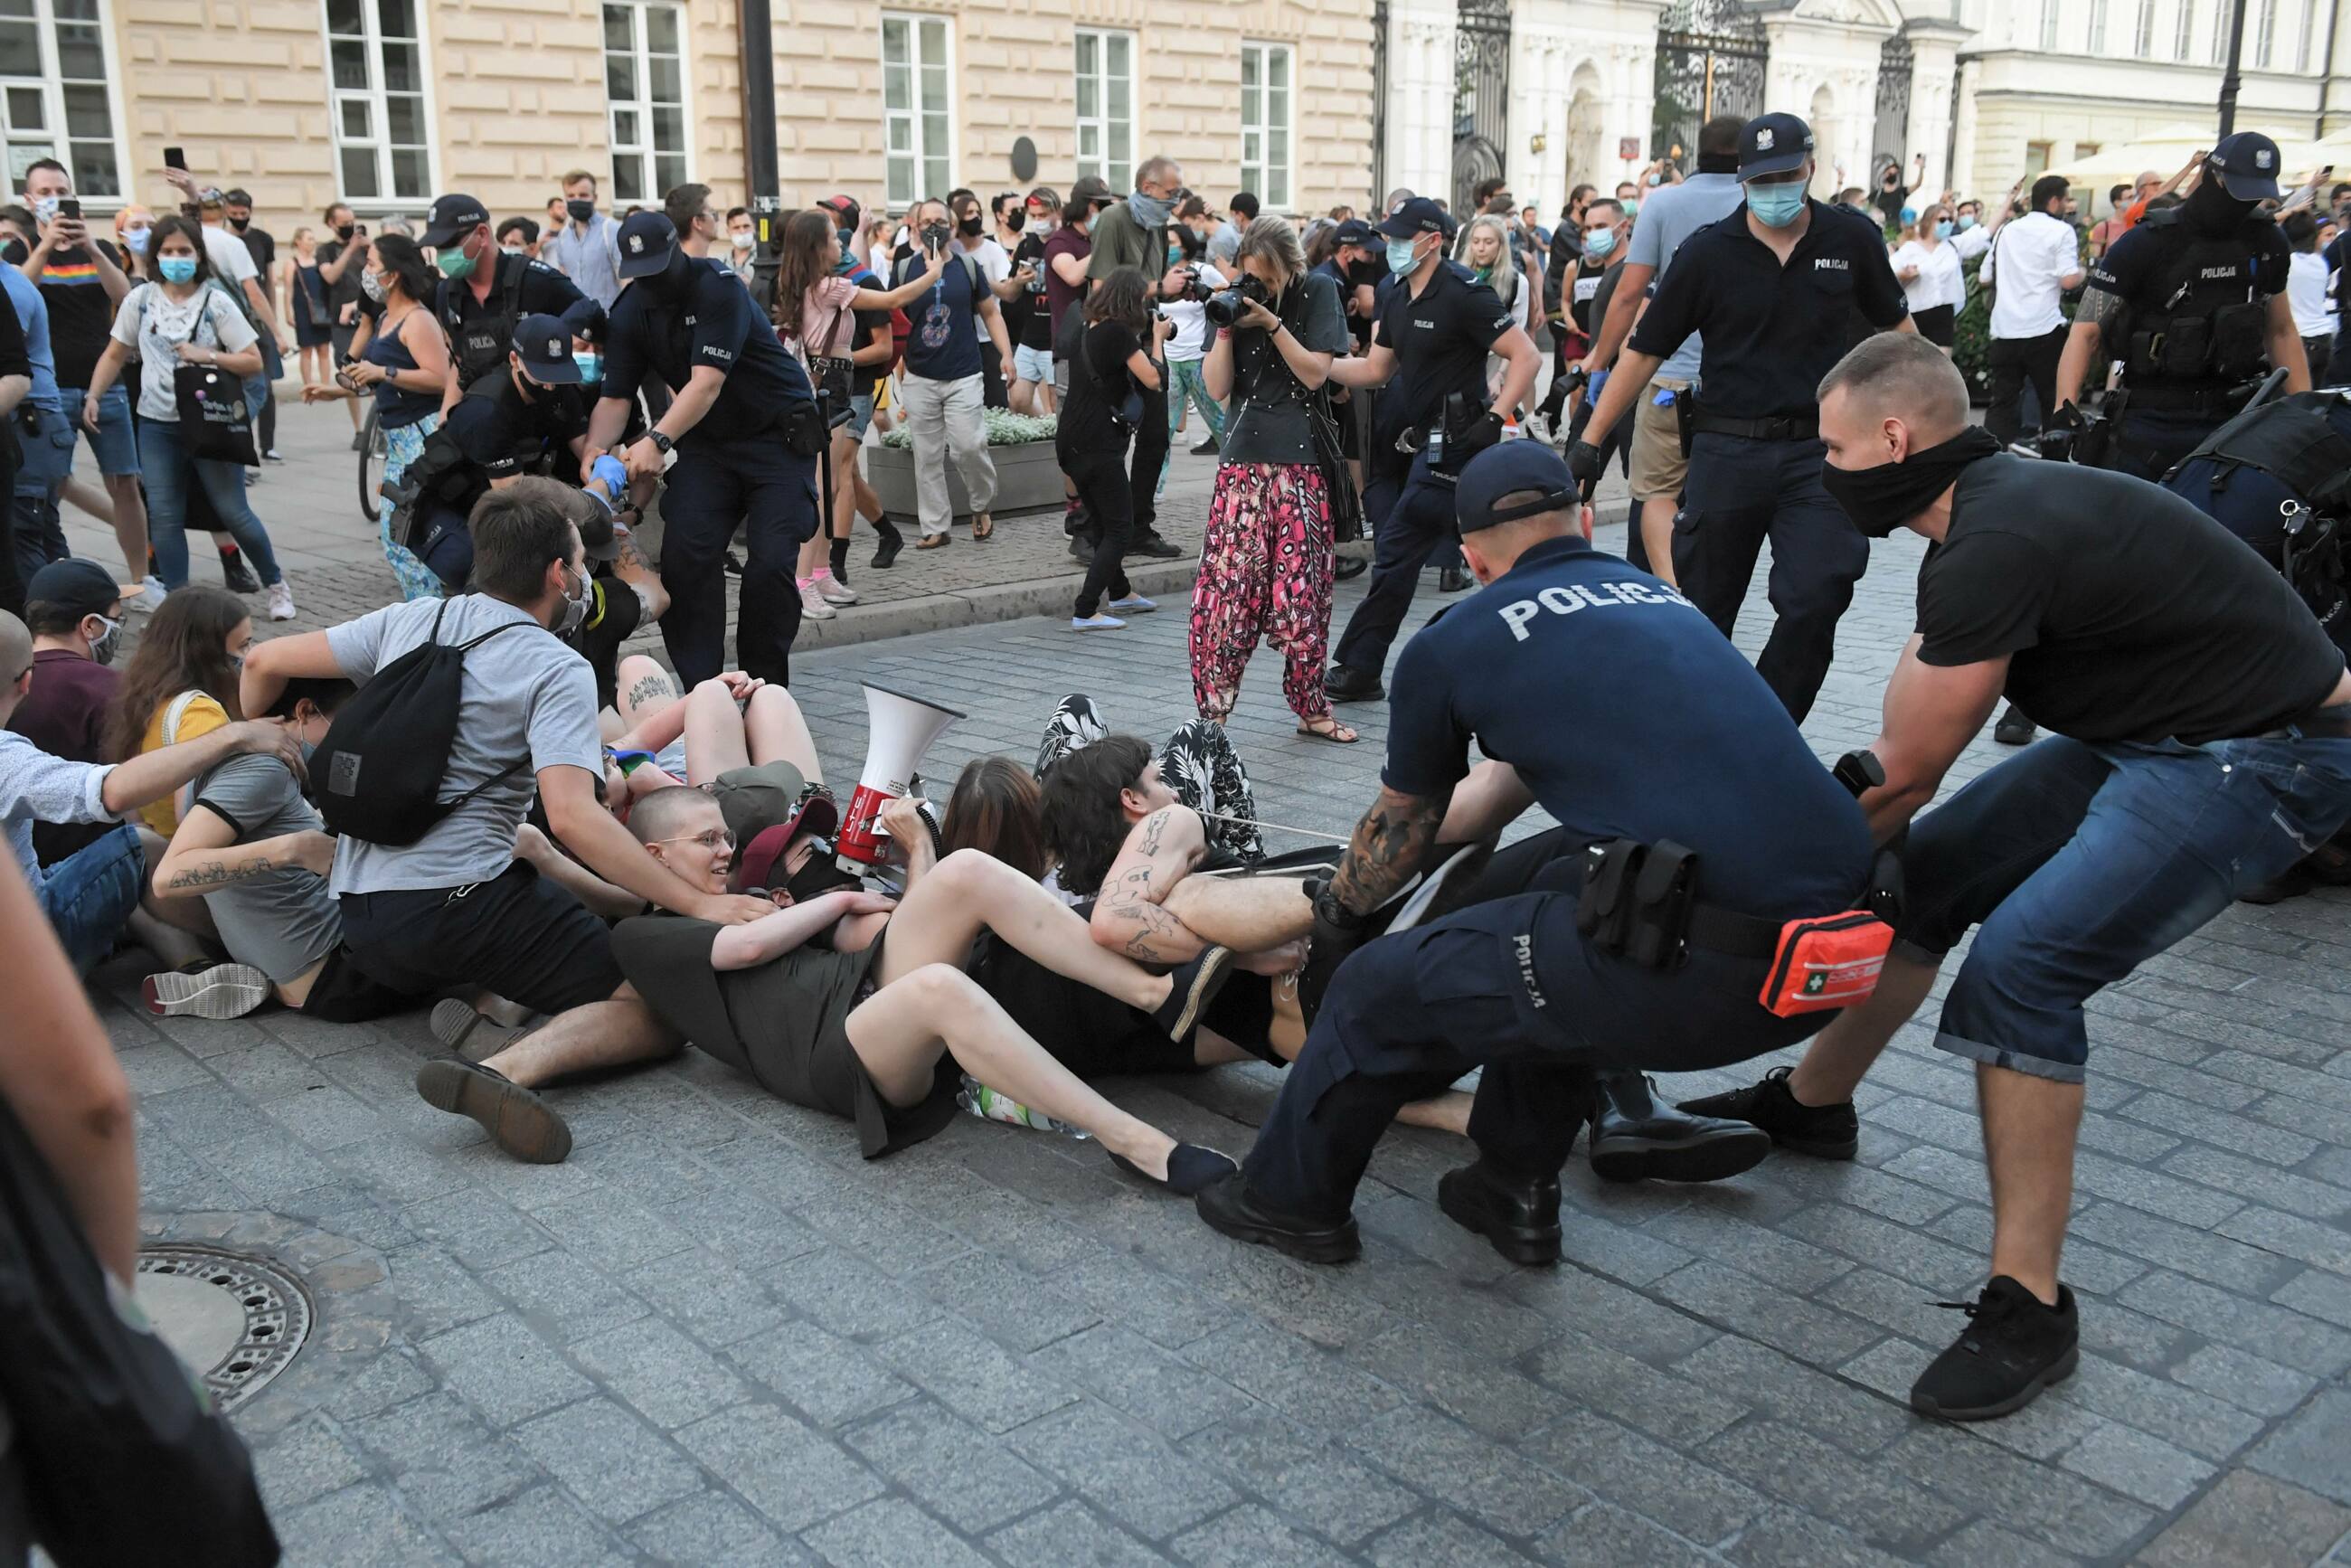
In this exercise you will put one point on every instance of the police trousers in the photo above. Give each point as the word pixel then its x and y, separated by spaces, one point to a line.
pixel 713 486
pixel 1739 493
pixel 1411 513
pixel 2148 444
pixel 1512 987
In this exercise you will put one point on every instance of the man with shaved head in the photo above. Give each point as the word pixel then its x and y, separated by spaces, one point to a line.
pixel 2201 744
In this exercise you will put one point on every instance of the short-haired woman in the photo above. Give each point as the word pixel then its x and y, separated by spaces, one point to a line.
pixel 1119 359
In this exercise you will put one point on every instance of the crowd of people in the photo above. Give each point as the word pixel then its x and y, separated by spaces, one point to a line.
pixel 586 859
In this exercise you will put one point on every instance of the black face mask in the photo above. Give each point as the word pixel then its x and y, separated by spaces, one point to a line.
pixel 2210 210
pixel 969 226
pixel 819 877
pixel 671 280
pixel 1881 499
pixel 345 231
pixel 1015 221
pixel 580 211
pixel 16 253
pixel 239 223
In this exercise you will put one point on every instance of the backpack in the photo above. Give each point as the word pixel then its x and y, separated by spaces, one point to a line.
pixel 380 769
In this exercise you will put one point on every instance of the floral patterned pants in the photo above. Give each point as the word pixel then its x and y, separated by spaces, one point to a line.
pixel 1265 572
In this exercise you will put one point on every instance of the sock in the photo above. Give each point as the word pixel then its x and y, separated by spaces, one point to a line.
pixel 228 551
pixel 839 551
pixel 886 528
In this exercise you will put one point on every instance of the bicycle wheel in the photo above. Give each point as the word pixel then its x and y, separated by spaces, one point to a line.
pixel 371 456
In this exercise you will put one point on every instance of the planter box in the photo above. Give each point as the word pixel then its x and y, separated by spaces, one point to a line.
pixel 1027 479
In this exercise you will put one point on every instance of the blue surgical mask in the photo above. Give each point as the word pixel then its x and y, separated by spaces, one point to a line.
pixel 1631 206
pixel 1400 258
pixel 177 269
pixel 592 366
pixel 1149 211
pixel 1943 229
pixel 1598 242
pixel 1776 205
pixel 1967 222
pixel 136 240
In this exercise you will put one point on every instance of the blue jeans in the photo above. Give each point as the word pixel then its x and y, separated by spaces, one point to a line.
pixel 89 894
pixel 2082 861
pixel 36 534
pixel 170 474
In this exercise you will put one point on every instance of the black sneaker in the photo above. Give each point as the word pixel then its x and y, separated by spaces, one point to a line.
pixel 1155 545
pixel 1451 579
pixel 235 575
pixel 2014 728
pixel 731 564
pixel 1204 446
pixel 1823 1132
pixel 1228 1206
pixel 2012 1348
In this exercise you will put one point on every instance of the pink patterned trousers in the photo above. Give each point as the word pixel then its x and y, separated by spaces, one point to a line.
pixel 1265 572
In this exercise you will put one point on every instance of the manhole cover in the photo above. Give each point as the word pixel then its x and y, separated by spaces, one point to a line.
pixel 236 1319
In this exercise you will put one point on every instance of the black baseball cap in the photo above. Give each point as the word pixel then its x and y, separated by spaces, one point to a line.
pixel 1414 216
pixel 1505 469
pixel 81 586
pixel 1773 144
pixel 645 241
pixel 1356 232
pixel 2247 163
pixel 453 217
pixel 544 344
pixel 1090 188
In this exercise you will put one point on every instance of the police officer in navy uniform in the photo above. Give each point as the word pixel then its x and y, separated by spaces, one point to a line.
pixel 1602 695
pixel 1436 326
pixel 2192 301
pixel 484 292
pixel 1773 289
pixel 744 415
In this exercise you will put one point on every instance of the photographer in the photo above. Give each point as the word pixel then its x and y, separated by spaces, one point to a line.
pixel 1265 565
pixel 1118 360
pixel 1188 348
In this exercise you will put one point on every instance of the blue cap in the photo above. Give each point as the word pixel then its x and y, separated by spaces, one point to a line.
pixel 544 342
pixel 2247 163
pixel 1355 231
pixel 1414 216
pixel 645 243
pixel 1773 144
pixel 1507 468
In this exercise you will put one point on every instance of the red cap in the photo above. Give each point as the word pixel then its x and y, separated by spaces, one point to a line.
pixel 815 813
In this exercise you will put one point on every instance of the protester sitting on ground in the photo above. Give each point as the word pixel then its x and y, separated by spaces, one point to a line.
pixel 91 894
pixel 74 610
pixel 858 1027
pixel 180 683
pixel 1198 765
pixel 526 718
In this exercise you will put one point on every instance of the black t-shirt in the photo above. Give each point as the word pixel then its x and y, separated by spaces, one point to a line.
pixel 344 290
pixel 1771 331
pixel 81 315
pixel 1034 329
pixel 2124 613
pixel 1583 285
pixel 1359 327
pixel 263 247
pixel 1269 422
pixel 2137 259
pixel 710 322
pixel 1441 338
pixel 505 435
pixel 481 333
pixel 1099 382
pixel 614 613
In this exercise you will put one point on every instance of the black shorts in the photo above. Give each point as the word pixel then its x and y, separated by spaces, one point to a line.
pixel 1934 324
pixel 518 935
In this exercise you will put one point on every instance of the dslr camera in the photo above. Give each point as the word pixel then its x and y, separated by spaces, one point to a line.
pixel 1223 310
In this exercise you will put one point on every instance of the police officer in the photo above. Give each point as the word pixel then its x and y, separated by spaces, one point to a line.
pixel 1346 267
pixel 746 433
pixel 485 292
pixel 1436 326
pixel 1772 289
pixel 1574 673
pixel 2192 301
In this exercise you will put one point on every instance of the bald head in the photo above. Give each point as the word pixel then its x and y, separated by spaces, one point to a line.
pixel 677 812
pixel 15 648
pixel 1898 378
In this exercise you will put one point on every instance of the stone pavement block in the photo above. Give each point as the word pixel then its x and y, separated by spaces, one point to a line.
pixel 611 1231
pixel 1250 1537
pixel 711 1530
pixel 745 1227
pixel 1465 1311
pixel 1898 1250
pixel 1304 1475
pixel 392 1378
pixel 1300 1379
pixel 1644 1477
pixel 330 1117
pixel 972 1375
pixel 1306 1299
pixel 562 1297
pixel 951 1466
pixel 827 1378
pixel 1763 1311
pixel 833 1289
pixel 2029 1497
pixel 2302 1342
pixel 1485 1480
pixel 713 1301
pixel 1667 1405
pixel 543 1529
pixel 1161 1308
pixel 1788 1261
pixel 1439 1540
pixel 476 1230
pixel 1167 1394
pixel 889 1532
pixel 2323 1123
pixel 1416 1227
pixel 266 1071
pixel 2193 1421
pixel 1784 1538
pixel 2258 1182
pixel 1634 1323
pixel 433 1292
pixel 1875 1499
pixel 2246 1381
pixel 506 1371
pixel 893 1237
pixel 2198 1253
pixel 2250 1521
pixel 362 1526
pixel 2221 1129
pixel 787 1471
pixel 1602 1536
pixel 2090 1268
pixel 1879 1190
pixel 1471 1386
pixel 665 1375
pixel 2313 1448
pixel 271 1164
pixel 1122 1469
pixel 1073 1534
pixel 2319 1295
pixel 305 1461
pixel 1014 1307
pixel 2138 1466
pixel 1787 1390
pixel 612 1462
pixel 2187 1202
pixel 1983 1541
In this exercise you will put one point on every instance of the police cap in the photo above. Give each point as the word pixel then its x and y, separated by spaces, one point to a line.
pixel 1355 232
pixel 2247 163
pixel 1773 144
pixel 453 217
pixel 1414 216
pixel 544 344
pixel 645 241
pixel 1508 468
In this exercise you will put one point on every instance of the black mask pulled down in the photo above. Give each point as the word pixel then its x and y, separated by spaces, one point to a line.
pixel 2210 210
pixel 1881 499
pixel 816 878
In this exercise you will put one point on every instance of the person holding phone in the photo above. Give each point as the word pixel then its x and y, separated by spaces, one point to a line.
pixel 342 262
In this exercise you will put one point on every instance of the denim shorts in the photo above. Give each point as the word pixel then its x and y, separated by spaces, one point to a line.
pixel 861 414
pixel 1032 365
pixel 2080 862
pixel 89 894
pixel 115 442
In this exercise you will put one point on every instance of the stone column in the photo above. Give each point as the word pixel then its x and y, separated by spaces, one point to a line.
pixel 1420 100
pixel 1934 61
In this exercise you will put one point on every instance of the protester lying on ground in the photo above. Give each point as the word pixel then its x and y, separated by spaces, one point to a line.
pixel 825 1014
pixel 729 721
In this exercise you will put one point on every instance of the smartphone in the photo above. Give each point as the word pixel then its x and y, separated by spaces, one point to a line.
pixel 174 158
pixel 69 207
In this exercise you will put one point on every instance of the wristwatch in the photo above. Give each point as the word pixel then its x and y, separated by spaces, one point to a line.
pixel 662 443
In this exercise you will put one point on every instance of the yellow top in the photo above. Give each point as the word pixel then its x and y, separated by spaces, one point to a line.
pixel 185 717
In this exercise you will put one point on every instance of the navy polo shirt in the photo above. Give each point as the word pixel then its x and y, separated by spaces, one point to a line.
pixel 1441 338
pixel 710 322
pixel 1628 716
pixel 1771 331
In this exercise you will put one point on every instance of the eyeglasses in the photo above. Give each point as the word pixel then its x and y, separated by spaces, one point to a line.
pixel 709 839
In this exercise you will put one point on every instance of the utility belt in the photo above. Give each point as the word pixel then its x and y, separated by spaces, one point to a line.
pixel 1692 420
pixel 2217 402
pixel 1641 901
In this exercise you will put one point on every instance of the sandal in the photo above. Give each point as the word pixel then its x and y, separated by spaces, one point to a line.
pixel 932 541
pixel 1337 734
pixel 983 526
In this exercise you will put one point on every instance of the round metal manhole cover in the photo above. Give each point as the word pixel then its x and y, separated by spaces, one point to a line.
pixel 237 1321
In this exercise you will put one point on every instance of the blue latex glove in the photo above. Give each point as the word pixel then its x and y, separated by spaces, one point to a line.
pixel 608 471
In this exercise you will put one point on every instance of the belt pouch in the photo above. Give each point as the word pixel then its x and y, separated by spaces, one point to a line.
pixel 1663 895
pixel 1603 910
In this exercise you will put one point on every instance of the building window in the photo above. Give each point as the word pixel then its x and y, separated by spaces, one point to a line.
pixel 2143 35
pixel 2302 36
pixel 917 116
pixel 376 59
pixel 2097 27
pixel 2036 158
pixel 54 98
pixel 2183 31
pixel 1265 123
pixel 644 97
pixel 2265 32
pixel 2221 13
pixel 1105 67
pixel 2048 24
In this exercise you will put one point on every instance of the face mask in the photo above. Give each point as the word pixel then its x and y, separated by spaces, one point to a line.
pixel 1943 229
pixel 1174 254
pixel 177 269
pixel 968 227
pixel 239 223
pixel 2210 210
pixel 1017 220
pixel 1598 242
pixel 310 749
pixel 102 646
pixel 1401 260
pixel 454 264
pixel 135 240
pixel 345 231
pixel 744 239
pixel 16 253
pixel 1149 211
pixel 1776 205
pixel 816 878
pixel 591 367
pixel 1881 499
pixel 1967 222
pixel 45 209
pixel 575 608
pixel 1631 206
pixel 580 211
pixel 371 284
pixel 512 249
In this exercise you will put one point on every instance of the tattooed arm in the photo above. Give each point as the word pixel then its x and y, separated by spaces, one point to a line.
pixel 2085 357
pixel 204 855
pixel 1390 845
pixel 1130 917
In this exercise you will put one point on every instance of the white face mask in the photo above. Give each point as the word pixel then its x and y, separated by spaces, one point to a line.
pixel 742 239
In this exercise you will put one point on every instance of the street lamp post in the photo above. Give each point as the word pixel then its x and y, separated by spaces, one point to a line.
pixel 759 131
pixel 2231 81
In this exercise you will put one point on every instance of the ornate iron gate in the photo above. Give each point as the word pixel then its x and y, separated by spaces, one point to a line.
pixel 1889 144
pixel 1379 106
pixel 1710 58
pixel 1481 97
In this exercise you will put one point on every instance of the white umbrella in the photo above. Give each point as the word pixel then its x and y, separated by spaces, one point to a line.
pixel 2165 150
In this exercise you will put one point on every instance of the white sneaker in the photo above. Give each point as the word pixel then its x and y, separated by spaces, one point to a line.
pixel 221 991
pixel 835 591
pixel 1134 604
pixel 1096 623
pixel 281 600
pixel 812 604
pixel 150 597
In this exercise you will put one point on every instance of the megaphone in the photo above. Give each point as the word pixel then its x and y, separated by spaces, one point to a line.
pixel 898 730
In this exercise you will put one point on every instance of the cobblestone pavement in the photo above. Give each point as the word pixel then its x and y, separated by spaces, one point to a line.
pixel 715 1334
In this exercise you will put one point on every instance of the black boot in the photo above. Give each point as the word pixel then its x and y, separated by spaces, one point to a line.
pixel 1342 684
pixel 2014 728
pixel 890 542
pixel 2012 1348
pixel 1350 565
pixel 1451 579
pixel 235 575
pixel 1226 1205
pixel 1635 1136
pixel 1824 1132
pixel 1519 1217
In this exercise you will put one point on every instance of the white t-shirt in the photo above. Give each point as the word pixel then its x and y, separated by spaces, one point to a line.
pixel 1970 242
pixel 2306 294
pixel 993 261
pixel 2027 259
pixel 1191 339
pixel 1939 281
pixel 154 327
pixel 232 262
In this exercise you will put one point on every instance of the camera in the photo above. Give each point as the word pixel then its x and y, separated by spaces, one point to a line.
pixel 1223 310
pixel 935 236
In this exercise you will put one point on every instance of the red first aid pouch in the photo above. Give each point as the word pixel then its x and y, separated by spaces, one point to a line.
pixel 1829 961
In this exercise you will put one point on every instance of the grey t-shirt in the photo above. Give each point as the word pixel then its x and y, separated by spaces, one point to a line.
pixel 1670 214
pixel 526 694
pixel 286 921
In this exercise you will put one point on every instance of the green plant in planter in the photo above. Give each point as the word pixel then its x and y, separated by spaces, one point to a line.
pixel 1004 429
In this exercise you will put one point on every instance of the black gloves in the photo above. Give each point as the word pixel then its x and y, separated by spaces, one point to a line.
pixel 1336 934
pixel 1480 433
pixel 2059 432
pixel 1584 462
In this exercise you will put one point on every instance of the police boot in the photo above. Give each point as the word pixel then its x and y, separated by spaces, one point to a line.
pixel 1518 1216
pixel 1451 579
pixel 1635 1136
